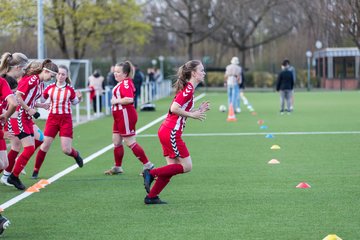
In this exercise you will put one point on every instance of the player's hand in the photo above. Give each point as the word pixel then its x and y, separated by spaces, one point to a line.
pixel 31 111
pixel 204 106
pixel 79 95
pixel 45 106
pixel 114 101
pixel 199 115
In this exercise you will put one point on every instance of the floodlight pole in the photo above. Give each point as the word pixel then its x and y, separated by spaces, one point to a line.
pixel 308 55
pixel 40 30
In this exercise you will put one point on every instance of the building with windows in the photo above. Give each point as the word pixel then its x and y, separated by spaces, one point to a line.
pixel 338 68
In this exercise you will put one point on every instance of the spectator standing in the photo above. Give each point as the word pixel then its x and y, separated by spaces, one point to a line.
pixel 285 85
pixel 232 80
pixel 110 83
pixel 293 71
pixel 138 80
pixel 97 84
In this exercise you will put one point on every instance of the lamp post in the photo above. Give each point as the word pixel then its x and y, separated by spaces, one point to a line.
pixel 153 62
pixel 161 59
pixel 308 55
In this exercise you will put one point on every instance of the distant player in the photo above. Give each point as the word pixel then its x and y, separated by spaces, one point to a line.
pixel 174 149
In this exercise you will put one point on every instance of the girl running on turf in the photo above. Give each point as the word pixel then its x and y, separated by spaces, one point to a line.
pixel 174 148
pixel 125 118
pixel 15 141
pixel 61 95
pixel 15 62
pixel 29 90
pixel 11 68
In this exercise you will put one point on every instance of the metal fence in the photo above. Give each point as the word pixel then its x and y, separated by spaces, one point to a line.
pixel 82 112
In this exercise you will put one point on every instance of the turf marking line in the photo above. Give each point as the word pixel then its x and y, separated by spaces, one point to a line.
pixel 86 160
pixel 255 134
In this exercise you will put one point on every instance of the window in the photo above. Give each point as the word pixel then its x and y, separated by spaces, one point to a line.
pixel 344 67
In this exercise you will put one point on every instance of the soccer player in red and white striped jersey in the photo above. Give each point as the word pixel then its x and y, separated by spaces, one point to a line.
pixel 170 131
pixel 15 141
pixel 61 95
pixel 30 89
pixel 125 118
pixel 11 66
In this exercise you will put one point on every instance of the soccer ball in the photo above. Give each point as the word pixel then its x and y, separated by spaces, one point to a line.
pixel 222 108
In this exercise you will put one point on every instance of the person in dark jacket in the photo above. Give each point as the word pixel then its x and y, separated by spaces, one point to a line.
pixel 285 85
pixel 138 80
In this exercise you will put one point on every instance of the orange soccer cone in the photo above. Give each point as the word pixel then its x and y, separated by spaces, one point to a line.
pixel 231 114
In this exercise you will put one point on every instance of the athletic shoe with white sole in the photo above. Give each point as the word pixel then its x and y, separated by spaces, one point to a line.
pixel 4 224
pixel 4 179
pixel 147 166
pixel 114 170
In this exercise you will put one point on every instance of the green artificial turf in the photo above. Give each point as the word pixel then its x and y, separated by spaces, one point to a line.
pixel 231 193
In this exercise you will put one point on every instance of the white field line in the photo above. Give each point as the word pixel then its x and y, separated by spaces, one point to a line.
pixel 86 160
pixel 256 134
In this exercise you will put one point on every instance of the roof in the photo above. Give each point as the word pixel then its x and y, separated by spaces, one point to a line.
pixel 337 52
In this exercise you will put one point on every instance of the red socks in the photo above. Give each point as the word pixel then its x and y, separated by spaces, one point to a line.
pixel 164 175
pixel 37 143
pixel 167 171
pixel 139 152
pixel 40 157
pixel 159 185
pixel 23 160
pixel 73 153
pixel 118 155
pixel 11 158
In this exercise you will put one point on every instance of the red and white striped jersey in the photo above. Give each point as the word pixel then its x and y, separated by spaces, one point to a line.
pixel 185 98
pixel 61 98
pixel 31 89
pixel 123 89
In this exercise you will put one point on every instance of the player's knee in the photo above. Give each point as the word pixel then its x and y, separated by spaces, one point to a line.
pixel 4 164
pixel 66 150
pixel 187 167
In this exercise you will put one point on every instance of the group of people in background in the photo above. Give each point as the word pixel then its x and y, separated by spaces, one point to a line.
pixel 235 83
pixel 22 92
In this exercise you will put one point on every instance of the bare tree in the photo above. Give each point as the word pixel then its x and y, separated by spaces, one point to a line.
pixel 345 18
pixel 188 19
pixel 249 24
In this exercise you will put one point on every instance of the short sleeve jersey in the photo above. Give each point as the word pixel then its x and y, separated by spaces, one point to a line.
pixel 123 89
pixel 31 89
pixel 60 98
pixel 185 98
